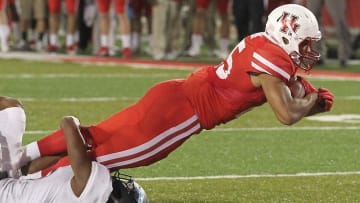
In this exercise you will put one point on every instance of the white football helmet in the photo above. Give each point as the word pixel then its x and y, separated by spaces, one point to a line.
pixel 294 28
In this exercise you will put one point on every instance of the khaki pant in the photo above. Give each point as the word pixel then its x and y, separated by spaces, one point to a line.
pixel 336 9
pixel 33 8
pixel 166 27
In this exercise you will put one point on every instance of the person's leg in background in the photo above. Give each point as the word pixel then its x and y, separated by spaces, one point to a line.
pixel 257 12
pixel 187 23
pixel 104 25
pixel 210 35
pixel 14 22
pixel 173 25
pixel 71 27
pixel 124 26
pixel 54 10
pixel 159 11
pixel 4 27
pixel 25 7
pixel 39 10
pixel 315 6
pixel 241 18
pixel 337 12
pixel 136 27
pixel 198 27
pixel 224 31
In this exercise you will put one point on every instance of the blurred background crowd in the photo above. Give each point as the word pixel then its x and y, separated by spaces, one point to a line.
pixel 162 29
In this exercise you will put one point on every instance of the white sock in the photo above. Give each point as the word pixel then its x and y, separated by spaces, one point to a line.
pixel 150 40
pixel 224 45
pixel 125 40
pixel 104 41
pixel 76 37
pixel 135 40
pixel 196 41
pixel 70 39
pixel 4 33
pixel 53 39
pixel 16 30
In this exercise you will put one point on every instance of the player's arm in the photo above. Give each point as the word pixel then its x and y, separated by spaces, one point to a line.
pixel 287 109
pixel 325 97
pixel 79 161
pixel 39 164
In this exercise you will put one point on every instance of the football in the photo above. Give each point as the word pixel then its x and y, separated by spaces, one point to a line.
pixel 297 89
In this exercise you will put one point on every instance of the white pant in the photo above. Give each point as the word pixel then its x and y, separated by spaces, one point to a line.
pixel 12 128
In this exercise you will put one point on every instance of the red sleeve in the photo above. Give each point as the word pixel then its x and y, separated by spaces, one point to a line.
pixel 271 59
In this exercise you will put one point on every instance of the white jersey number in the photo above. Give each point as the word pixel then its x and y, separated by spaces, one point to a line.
pixel 223 70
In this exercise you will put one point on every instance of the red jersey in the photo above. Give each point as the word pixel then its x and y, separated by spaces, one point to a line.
pixel 219 94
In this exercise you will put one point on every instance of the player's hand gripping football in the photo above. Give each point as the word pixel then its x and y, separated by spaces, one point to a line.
pixel 325 99
pixel 308 87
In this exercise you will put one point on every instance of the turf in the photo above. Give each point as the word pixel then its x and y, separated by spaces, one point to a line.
pixel 256 143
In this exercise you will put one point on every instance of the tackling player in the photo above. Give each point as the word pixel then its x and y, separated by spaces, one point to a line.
pixel 258 70
pixel 83 181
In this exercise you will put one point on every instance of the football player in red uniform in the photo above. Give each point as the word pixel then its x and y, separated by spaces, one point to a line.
pixel 124 25
pixel 258 70
pixel 4 28
pixel 140 8
pixel 54 10
pixel 199 24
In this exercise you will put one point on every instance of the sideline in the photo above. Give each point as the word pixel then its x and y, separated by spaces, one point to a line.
pixel 147 63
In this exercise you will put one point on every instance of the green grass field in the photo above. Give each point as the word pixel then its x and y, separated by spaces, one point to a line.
pixel 251 159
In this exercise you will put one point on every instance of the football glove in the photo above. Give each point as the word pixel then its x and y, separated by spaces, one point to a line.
pixel 308 87
pixel 325 99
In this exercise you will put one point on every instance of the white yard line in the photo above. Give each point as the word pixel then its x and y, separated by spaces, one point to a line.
pixel 306 128
pixel 332 78
pixel 137 75
pixel 79 99
pixel 250 176
pixel 330 128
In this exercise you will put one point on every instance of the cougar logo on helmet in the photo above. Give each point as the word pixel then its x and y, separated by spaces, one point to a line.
pixel 288 21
